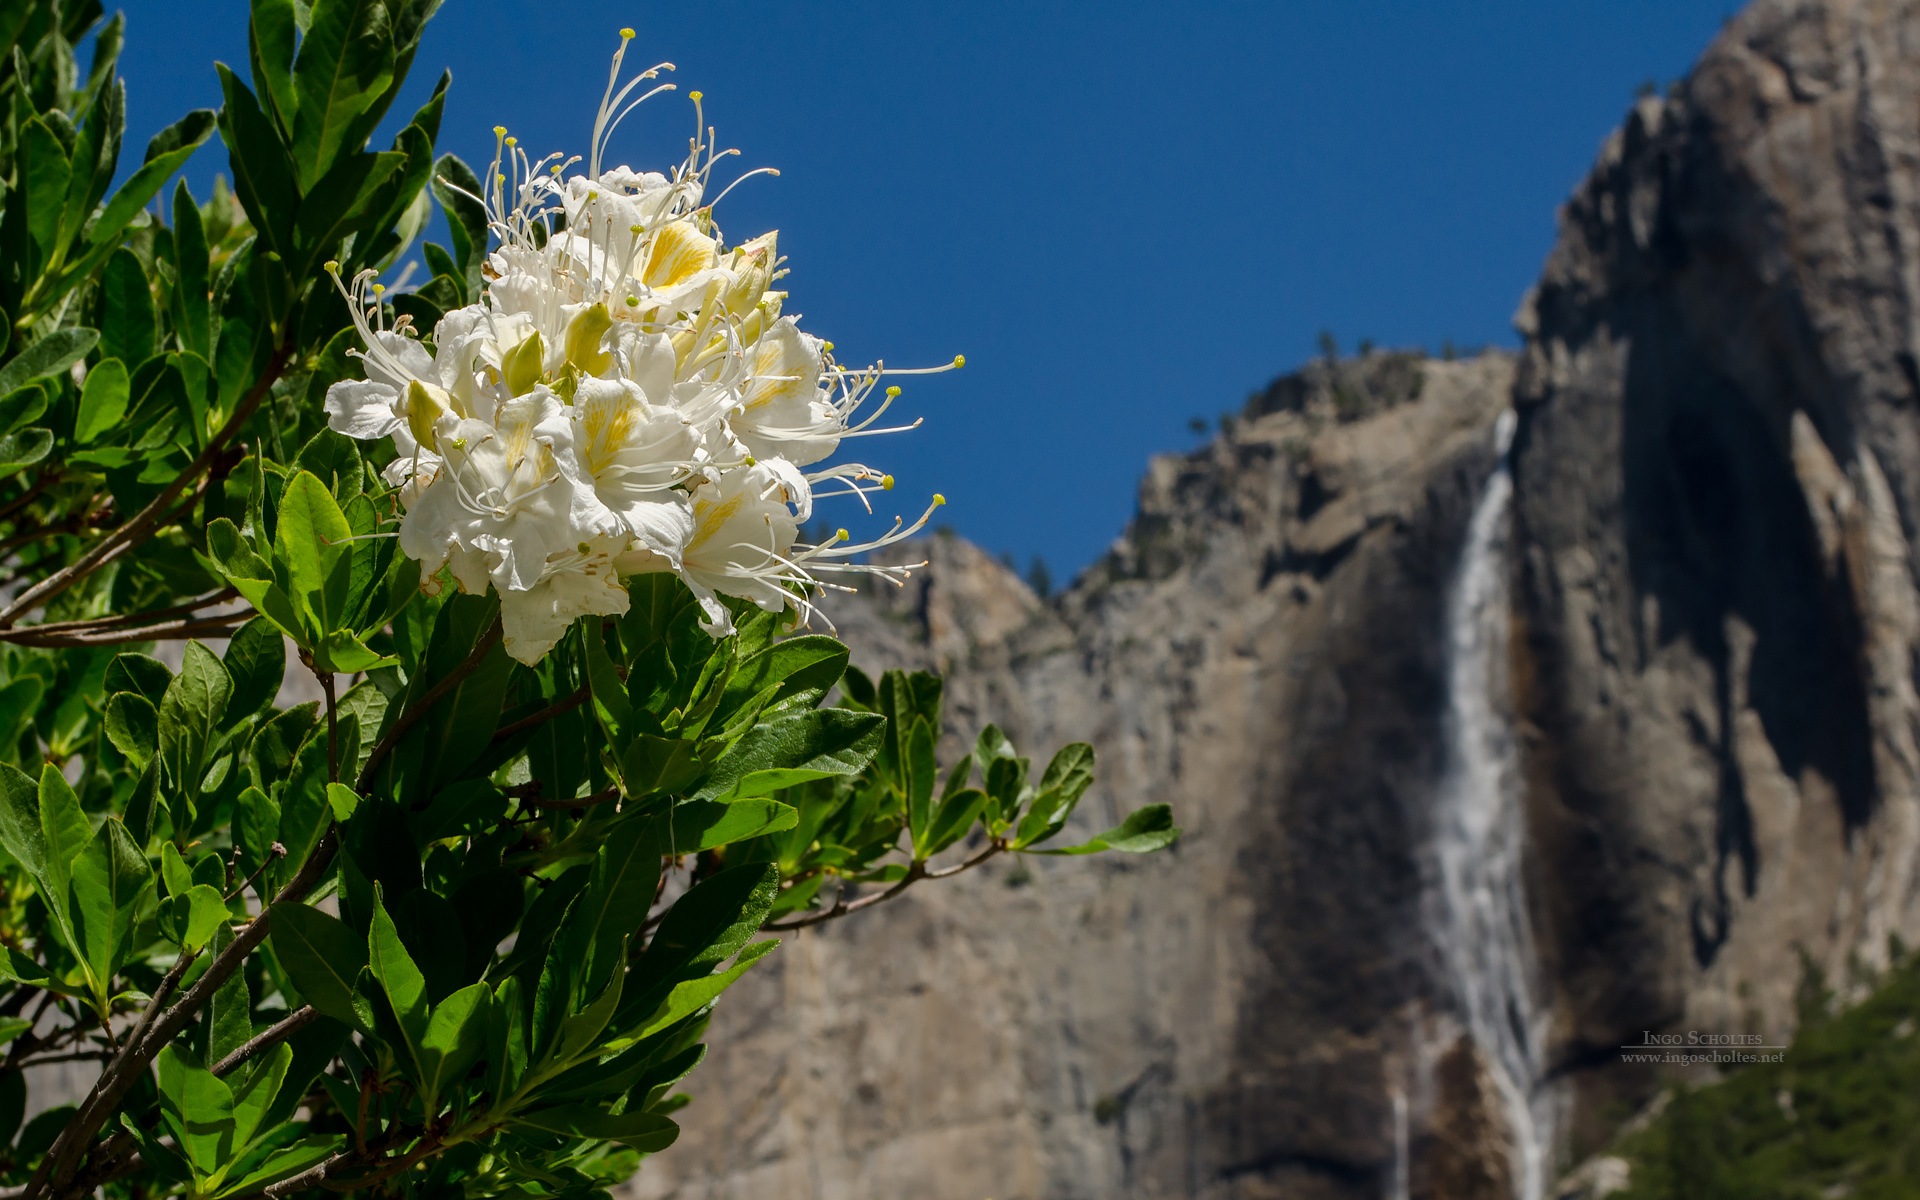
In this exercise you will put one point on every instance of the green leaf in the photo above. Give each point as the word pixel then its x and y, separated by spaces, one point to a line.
pixel 610 700
pixel 230 1012
pixel 197 1108
pixel 103 402
pixel 709 825
pixel 692 995
pixel 16 967
pixel 345 62
pixel 1067 778
pixel 192 311
pixel 285 1163
pixel 705 927
pixel 133 726
pixel 66 830
pixel 256 660
pixel 166 153
pixel 457 189
pixel 953 819
pixel 272 33
pixel 580 1031
pixel 255 1096
pixel 256 827
pixel 793 749
pixel 48 356
pixel 342 800
pixel 44 174
pixel 25 448
pixel 175 879
pixel 646 1132
pixel 651 765
pixel 918 775
pixel 310 552
pixel 455 1037
pixel 110 879
pixel 20 830
pixel 347 654
pixel 399 978
pixel 129 328
pixel 506 1038
pixel 140 673
pixel 190 714
pixel 199 914
pixel 305 812
pixel 263 176
pixel 324 959
pixel 22 405
pixel 1144 831
pixel 619 893
pixel 803 668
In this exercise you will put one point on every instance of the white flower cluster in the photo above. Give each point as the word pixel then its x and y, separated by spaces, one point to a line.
pixel 628 397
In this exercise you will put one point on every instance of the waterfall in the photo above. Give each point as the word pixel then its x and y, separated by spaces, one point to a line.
pixel 1482 927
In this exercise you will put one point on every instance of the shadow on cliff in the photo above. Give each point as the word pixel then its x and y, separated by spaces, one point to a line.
pixel 1720 540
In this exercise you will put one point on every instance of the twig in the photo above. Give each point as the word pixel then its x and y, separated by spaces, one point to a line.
pixel 612 793
pixel 75 1056
pixel 95 623
pixel 152 1033
pixel 116 1159
pixel 424 705
pixel 326 681
pixel 915 872
pixel 275 853
pixel 40 485
pixel 148 517
pixel 268 1038
pixel 579 697
pixel 992 849
pixel 31 635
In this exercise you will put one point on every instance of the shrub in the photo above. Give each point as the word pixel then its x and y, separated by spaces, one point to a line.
pixel 455 928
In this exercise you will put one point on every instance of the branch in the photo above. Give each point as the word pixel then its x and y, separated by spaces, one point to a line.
pixel 31 635
pixel 529 793
pixel 319 1174
pixel 424 705
pixel 152 1033
pixel 268 1038
pixel 915 872
pixel 144 520
pixel 46 480
pixel 97 623
pixel 546 714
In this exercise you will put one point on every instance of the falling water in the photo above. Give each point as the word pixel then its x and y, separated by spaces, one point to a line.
pixel 1483 930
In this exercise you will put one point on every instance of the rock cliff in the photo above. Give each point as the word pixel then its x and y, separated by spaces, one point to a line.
pixel 1718 477
pixel 1712 653
pixel 1231 1018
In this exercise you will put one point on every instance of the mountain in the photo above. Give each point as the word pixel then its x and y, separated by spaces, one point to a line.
pixel 1489 764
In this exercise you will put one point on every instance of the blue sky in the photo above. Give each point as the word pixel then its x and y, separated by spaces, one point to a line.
pixel 1125 215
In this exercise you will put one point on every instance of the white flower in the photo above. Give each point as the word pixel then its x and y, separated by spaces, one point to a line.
pixel 578 582
pixel 500 494
pixel 782 409
pixel 631 457
pixel 627 397
pixel 743 531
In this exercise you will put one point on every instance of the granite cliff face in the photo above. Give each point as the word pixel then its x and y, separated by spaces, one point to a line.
pixel 1232 1018
pixel 1709 664
pixel 1718 478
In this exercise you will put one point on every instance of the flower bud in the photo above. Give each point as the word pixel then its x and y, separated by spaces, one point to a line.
pixel 584 334
pixel 521 367
pixel 752 266
pixel 424 407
